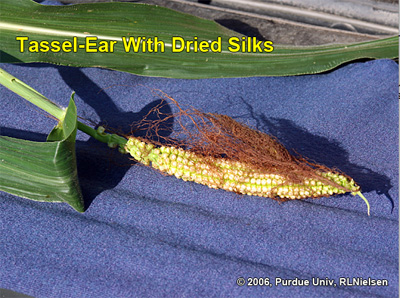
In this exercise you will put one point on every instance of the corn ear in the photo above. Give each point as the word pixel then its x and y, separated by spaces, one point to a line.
pixel 234 175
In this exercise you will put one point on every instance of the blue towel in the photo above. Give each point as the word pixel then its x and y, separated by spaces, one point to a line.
pixel 149 235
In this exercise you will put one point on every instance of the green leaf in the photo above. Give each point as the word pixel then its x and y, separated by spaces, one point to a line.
pixel 43 171
pixel 68 126
pixel 112 21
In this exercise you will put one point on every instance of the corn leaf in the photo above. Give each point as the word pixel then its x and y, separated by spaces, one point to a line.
pixel 43 171
pixel 112 21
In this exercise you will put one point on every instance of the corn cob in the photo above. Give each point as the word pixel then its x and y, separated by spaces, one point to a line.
pixel 224 154
pixel 234 175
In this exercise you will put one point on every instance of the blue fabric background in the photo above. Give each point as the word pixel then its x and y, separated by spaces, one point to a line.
pixel 148 235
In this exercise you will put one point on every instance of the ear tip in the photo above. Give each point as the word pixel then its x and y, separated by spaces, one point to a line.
pixel 365 200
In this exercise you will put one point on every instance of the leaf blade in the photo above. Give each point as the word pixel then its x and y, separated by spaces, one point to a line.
pixel 128 19
pixel 43 171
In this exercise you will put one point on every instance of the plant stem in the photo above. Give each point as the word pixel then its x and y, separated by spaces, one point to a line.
pixel 112 140
pixel 52 108
pixel 31 94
